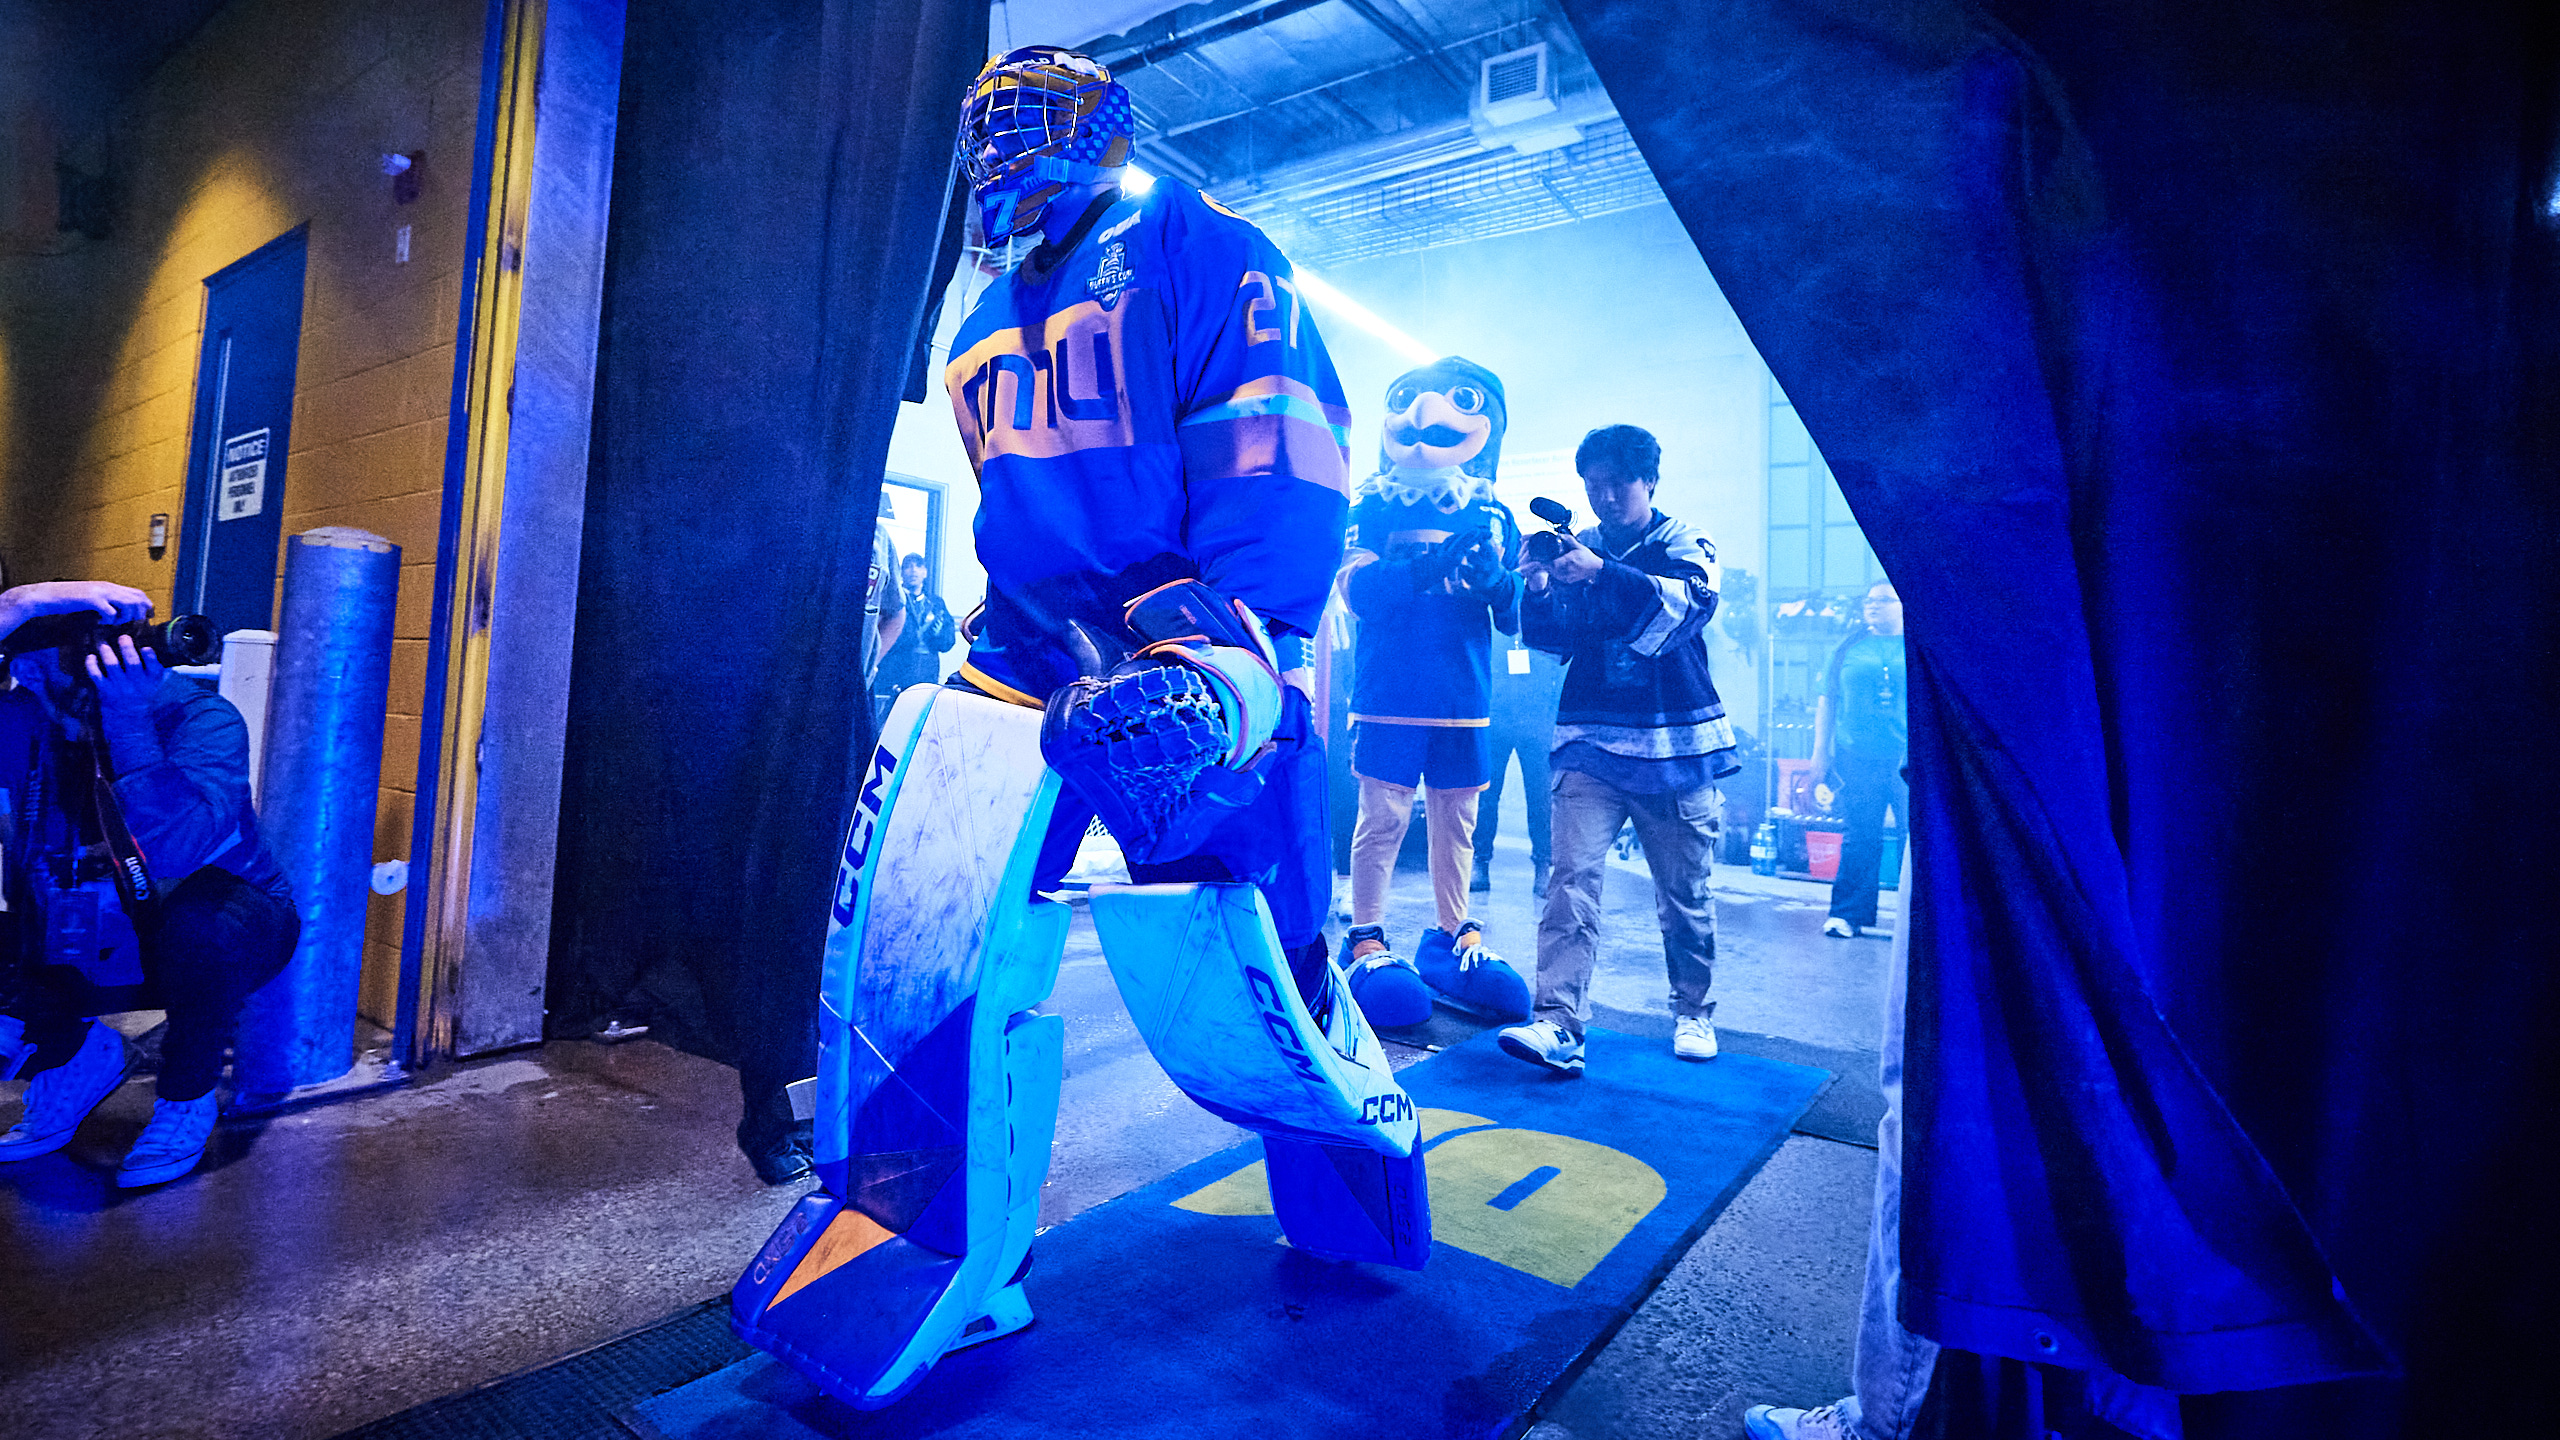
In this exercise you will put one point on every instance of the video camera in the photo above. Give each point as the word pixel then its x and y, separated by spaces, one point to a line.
pixel 1546 545
pixel 178 640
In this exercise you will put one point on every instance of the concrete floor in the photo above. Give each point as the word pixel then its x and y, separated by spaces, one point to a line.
pixel 334 1266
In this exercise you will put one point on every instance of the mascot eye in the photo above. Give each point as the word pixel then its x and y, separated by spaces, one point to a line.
pixel 1400 398
pixel 1468 399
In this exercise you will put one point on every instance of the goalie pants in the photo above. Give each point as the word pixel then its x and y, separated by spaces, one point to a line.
pixel 1277 844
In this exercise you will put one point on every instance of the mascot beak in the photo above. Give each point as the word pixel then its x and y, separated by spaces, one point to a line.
pixel 1432 433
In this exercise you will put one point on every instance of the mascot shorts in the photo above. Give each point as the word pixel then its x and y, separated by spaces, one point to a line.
pixel 1444 757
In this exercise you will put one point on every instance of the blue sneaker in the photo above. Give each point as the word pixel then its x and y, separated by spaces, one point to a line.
pixel 60 1098
pixel 1469 975
pixel 1388 989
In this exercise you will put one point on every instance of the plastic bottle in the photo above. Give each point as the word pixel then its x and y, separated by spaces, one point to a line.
pixel 1764 849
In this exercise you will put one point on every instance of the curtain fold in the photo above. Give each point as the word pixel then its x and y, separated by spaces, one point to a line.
pixel 2192 371
pixel 781 185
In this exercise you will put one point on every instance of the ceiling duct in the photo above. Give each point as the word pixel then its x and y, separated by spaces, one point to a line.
pixel 1514 105
pixel 1515 87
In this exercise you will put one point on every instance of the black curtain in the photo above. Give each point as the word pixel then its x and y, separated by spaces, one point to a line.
pixel 2192 369
pixel 782 179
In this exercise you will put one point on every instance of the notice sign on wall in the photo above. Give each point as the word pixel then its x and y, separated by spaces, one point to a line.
pixel 243 488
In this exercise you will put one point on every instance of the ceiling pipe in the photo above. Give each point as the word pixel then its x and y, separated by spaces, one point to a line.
pixel 1422 49
pixel 1154 52
pixel 1188 126
pixel 1362 164
pixel 1392 155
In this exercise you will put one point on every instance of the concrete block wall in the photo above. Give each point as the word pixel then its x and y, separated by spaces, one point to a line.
pixel 273 115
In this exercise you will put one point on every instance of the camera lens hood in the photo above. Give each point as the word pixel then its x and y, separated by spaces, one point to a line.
pixel 188 640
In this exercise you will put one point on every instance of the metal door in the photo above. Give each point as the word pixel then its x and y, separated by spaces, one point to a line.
pixel 234 510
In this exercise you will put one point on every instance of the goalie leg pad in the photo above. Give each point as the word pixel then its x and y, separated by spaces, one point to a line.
pixel 1348 1202
pixel 936 1097
pixel 1214 998
pixel 1210 990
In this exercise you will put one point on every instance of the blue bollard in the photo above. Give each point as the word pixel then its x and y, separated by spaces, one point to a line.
pixel 322 766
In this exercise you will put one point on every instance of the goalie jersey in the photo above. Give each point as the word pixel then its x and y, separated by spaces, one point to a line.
pixel 1154 406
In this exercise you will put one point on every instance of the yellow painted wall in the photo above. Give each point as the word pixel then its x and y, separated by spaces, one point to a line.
pixel 273 115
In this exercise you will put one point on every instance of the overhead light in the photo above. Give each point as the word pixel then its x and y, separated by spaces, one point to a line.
pixel 1362 316
pixel 1134 181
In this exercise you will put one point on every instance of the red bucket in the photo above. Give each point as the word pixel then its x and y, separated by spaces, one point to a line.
pixel 1822 853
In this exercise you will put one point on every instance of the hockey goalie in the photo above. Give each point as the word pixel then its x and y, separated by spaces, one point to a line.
pixel 1160 442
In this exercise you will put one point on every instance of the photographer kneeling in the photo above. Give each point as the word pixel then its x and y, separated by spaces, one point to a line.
pixel 134 872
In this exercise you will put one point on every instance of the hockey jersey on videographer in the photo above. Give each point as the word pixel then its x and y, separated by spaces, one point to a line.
pixel 1152 404
pixel 1639 708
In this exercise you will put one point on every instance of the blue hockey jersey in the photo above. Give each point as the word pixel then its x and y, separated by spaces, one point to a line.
pixel 1425 653
pixel 1155 406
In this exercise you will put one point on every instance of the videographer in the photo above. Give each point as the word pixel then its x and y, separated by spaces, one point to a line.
pixel 1640 736
pixel 134 876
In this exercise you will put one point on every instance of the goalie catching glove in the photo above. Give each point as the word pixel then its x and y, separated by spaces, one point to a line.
pixel 1165 746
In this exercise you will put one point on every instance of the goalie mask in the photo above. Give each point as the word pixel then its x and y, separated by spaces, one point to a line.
pixel 1037 120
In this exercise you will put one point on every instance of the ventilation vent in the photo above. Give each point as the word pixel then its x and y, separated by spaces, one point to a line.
pixel 1514 75
pixel 1514 87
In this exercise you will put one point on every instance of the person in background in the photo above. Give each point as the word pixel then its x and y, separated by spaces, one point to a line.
pixel 1860 740
pixel 884 606
pixel 1640 736
pixel 1525 683
pixel 924 634
pixel 135 878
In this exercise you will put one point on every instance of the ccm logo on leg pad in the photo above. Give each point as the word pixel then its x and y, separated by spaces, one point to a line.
pixel 1386 1109
pixel 1276 1021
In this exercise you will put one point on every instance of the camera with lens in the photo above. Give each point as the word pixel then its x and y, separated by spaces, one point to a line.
pixel 178 640
pixel 1545 545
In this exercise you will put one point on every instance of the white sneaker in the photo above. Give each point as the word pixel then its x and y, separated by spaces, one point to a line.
pixel 171 1144
pixel 1839 929
pixel 1692 1038
pixel 60 1098
pixel 1543 1043
pixel 1768 1422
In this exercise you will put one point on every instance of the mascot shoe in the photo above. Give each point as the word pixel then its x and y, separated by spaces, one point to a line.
pixel 1469 975
pixel 1389 990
